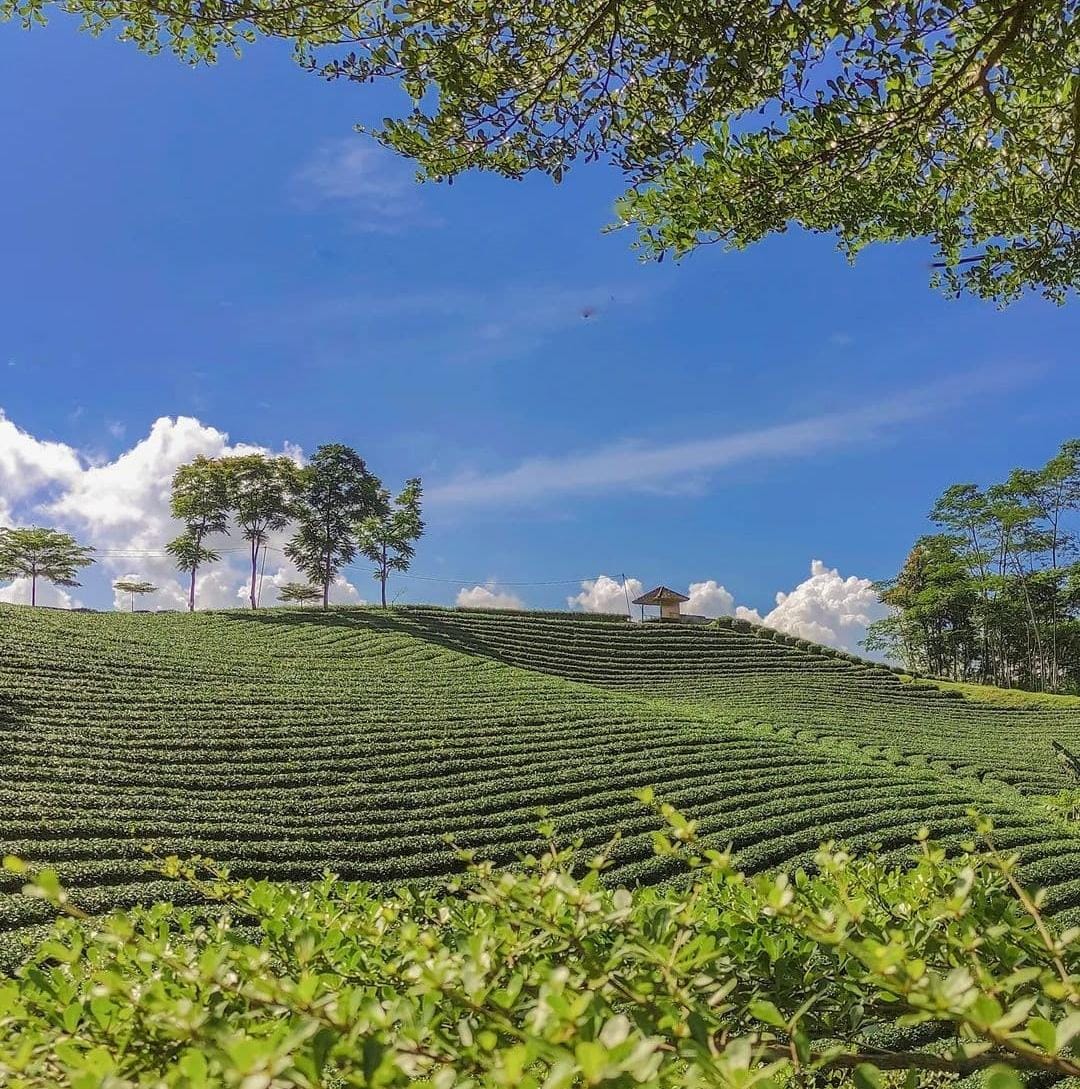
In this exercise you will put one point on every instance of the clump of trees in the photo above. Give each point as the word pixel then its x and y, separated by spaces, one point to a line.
pixel 338 508
pixel 47 554
pixel 995 596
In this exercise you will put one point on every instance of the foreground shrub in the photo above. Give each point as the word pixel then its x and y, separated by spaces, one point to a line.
pixel 535 977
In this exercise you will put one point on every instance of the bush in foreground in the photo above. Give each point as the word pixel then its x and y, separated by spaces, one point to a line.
pixel 537 978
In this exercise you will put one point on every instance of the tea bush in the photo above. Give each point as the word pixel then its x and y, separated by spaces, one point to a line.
pixel 540 978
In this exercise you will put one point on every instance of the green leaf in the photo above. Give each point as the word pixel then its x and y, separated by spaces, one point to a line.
pixel 867 1076
pixel 764 1010
pixel 1002 1077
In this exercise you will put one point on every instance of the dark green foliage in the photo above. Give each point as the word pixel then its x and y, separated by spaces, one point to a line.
pixel 388 536
pixel 956 123
pixel 261 498
pixel 995 598
pixel 335 493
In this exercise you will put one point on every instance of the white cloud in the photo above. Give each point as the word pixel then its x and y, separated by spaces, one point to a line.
pixel 605 595
pixel 18 593
pixel 342 592
pixel 639 466
pixel 710 599
pixel 373 184
pixel 487 597
pixel 28 465
pixel 121 507
pixel 828 608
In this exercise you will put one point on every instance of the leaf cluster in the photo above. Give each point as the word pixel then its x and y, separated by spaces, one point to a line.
pixel 540 976
pixel 954 121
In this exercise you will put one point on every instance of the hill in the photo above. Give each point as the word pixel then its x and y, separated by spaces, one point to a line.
pixel 289 742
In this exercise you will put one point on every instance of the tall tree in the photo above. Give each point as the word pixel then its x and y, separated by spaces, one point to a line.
pixel 959 123
pixel 388 537
pixel 261 491
pixel 42 553
pixel 133 585
pixel 335 493
pixel 998 597
pixel 200 499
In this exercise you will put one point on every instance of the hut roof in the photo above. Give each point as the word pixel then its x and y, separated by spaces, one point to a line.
pixel 661 595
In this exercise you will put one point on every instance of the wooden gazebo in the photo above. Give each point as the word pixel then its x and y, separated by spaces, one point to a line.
pixel 666 599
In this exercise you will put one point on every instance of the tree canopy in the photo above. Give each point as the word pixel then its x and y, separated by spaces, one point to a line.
pixel 388 537
pixel 200 499
pixel 996 597
pixel 335 494
pixel 132 585
pixel 42 553
pixel 261 493
pixel 954 121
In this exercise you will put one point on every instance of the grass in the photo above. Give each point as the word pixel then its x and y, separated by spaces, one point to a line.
pixel 1013 698
pixel 288 742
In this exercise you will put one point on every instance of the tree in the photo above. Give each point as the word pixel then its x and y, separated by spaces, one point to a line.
pixel 132 585
pixel 42 553
pixel 388 536
pixel 335 493
pixel 998 597
pixel 200 499
pixel 300 593
pixel 261 490
pixel 875 122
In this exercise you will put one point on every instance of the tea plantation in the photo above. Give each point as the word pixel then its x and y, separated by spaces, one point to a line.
pixel 286 743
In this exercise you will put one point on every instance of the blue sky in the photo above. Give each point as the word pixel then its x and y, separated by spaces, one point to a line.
pixel 218 243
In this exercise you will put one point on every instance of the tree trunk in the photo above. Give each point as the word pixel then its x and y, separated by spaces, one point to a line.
pixel 254 565
pixel 33 587
pixel 191 591
pixel 132 600
pixel 382 576
pixel 326 594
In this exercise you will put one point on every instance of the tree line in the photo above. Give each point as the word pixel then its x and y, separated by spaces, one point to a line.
pixel 995 596
pixel 338 508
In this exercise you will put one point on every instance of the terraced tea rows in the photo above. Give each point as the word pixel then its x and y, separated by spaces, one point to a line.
pixel 286 743
pixel 811 691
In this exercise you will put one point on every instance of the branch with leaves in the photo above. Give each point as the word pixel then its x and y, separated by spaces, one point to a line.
pixel 958 123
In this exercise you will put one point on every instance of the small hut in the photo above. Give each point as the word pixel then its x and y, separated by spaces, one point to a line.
pixel 666 599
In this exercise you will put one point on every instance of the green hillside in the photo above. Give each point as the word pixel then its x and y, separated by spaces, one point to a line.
pixel 288 742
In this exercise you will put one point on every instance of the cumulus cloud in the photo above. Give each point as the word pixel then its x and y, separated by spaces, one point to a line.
pixel 18 593
pixel 828 608
pixel 121 507
pixel 605 595
pixel 487 597
pixel 28 465
pixel 710 599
